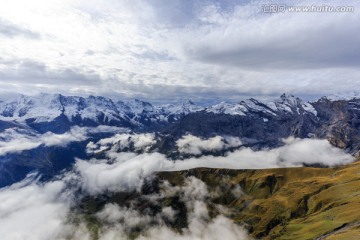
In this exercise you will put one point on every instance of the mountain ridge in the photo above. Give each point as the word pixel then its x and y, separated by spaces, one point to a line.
pixel 257 124
pixel 46 107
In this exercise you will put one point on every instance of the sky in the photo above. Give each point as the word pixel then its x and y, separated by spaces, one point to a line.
pixel 165 50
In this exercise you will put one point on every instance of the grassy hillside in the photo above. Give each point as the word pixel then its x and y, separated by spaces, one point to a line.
pixel 294 203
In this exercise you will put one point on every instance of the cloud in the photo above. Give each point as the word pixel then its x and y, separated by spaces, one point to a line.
pixel 121 171
pixel 301 40
pixel 130 218
pixel 200 225
pixel 159 50
pixel 10 30
pixel 194 145
pixel 194 194
pixel 295 153
pixel 219 227
pixel 31 210
pixel 35 210
pixel 119 220
pixel 122 142
pixel 127 171
pixel 14 140
pixel 39 73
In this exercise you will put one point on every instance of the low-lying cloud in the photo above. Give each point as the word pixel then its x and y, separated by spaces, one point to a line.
pixel 126 170
pixel 121 142
pixel 194 145
pixel 34 210
pixel 14 140
pixel 200 226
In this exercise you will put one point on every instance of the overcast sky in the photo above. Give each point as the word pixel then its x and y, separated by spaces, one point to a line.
pixel 161 49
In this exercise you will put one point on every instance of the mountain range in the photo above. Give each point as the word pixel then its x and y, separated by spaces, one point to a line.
pixel 258 124
pixel 95 110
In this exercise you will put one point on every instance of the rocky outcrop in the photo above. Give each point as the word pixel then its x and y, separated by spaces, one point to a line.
pixel 339 122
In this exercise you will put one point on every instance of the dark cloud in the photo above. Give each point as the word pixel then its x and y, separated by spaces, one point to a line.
pixel 291 41
pixel 203 50
pixel 203 95
pixel 171 93
pixel 10 30
pixel 25 71
pixel 176 13
pixel 32 77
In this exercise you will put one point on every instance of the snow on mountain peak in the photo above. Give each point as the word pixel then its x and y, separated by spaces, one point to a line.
pixel 228 108
pixel 185 102
pixel 47 107
pixel 138 106
pixel 289 99
pixel 343 96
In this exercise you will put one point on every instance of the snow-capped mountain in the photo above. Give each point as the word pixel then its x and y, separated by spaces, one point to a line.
pixel 32 126
pixel 90 111
pixel 344 96
pixel 95 110
pixel 251 118
pixel 286 103
pixel 58 113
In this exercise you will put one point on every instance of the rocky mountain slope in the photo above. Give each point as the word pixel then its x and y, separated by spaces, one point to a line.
pixel 261 125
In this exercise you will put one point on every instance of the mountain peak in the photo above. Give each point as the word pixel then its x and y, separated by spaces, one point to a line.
pixel 185 102
pixel 289 99
pixel 287 96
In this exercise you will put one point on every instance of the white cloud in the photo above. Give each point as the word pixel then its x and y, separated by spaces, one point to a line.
pixel 195 145
pixel 14 140
pixel 130 218
pixel 157 49
pixel 34 210
pixel 122 141
pixel 218 228
pixel 200 226
pixel 76 134
pixel 294 153
pixel 125 170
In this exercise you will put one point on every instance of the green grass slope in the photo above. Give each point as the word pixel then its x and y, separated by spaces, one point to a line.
pixel 293 203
